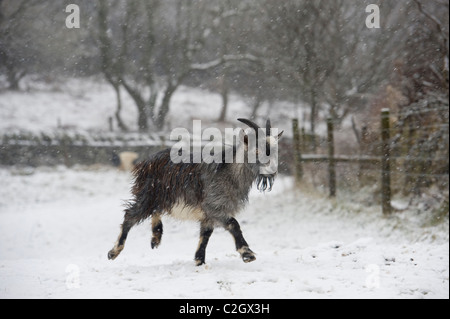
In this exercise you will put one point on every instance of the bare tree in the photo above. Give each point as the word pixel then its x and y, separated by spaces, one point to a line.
pixel 112 66
pixel 325 54
pixel 422 78
pixel 149 48
pixel 229 20
pixel 16 52
pixel 296 48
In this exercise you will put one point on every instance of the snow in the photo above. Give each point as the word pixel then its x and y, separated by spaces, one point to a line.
pixel 86 104
pixel 57 225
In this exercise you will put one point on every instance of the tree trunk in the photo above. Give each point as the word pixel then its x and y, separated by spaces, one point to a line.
pixel 140 104
pixel 120 123
pixel 13 84
pixel 165 105
pixel 142 118
pixel 14 78
pixel 256 105
pixel 224 94
pixel 152 102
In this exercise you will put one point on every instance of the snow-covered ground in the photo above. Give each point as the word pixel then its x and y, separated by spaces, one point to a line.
pixel 57 225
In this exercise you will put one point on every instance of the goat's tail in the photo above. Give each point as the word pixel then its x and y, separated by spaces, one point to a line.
pixel 140 175
pixel 140 207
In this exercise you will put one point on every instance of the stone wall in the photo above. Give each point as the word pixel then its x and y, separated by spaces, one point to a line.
pixel 38 155
pixel 31 150
pixel 69 150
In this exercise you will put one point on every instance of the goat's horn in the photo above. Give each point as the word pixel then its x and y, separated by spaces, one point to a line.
pixel 251 124
pixel 268 128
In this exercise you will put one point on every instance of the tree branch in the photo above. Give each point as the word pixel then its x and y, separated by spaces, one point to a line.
pixel 435 21
pixel 223 60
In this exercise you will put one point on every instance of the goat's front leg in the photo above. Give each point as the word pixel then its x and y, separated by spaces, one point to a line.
pixel 233 227
pixel 206 229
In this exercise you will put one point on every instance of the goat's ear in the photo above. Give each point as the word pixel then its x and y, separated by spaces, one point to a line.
pixel 280 135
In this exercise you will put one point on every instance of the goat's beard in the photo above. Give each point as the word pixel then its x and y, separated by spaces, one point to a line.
pixel 265 182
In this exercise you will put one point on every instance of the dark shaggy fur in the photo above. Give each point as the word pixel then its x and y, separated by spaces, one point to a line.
pixel 160 184
pixel 209 193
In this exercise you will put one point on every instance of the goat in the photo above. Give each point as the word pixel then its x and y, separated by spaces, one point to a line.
pixel 209 193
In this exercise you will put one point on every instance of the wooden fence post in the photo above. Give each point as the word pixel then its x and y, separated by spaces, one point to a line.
pixel 385 163
pixel 297 151
pixel 331 159
pixel 304 143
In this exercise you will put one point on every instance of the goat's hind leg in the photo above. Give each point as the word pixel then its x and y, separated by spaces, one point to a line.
pixel 206 230
pixel 128 223
pixel 157 230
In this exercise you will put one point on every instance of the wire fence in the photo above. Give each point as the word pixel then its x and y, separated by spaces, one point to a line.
pixel 409 155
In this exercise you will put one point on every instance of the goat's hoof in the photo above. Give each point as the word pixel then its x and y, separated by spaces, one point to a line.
pixel 155 243
pixel 113 253
pixel 248 257
pixel 199 262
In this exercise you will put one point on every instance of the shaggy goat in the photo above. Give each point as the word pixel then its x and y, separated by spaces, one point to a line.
pixel 209 193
